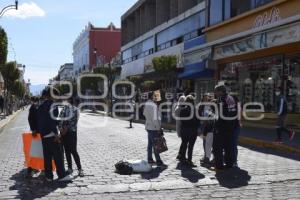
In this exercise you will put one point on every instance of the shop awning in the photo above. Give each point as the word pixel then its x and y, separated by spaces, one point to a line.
pixel 197 70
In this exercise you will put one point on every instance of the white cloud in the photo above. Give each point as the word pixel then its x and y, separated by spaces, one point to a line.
pixel 26 10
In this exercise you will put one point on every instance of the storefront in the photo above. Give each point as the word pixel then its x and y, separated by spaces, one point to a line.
pixel 256 80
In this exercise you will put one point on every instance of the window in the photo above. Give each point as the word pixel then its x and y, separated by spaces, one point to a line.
pixel 220 10
pixel 215 11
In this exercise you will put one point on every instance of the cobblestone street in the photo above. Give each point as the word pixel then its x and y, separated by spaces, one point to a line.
pixel 264 174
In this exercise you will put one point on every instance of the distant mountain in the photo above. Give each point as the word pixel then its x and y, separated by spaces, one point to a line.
pixel 37 89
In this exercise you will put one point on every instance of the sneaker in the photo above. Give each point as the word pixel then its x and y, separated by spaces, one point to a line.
pixel 235 165
pixel 204 160
pixel 48 179
pixel 191 164
pixel 181 158
pixel 151 162
pixel 160 164
pixel 70 171
pixel 278 141
pixel 291 135
pixel 66 179
pixel 42 173
pixel 80 173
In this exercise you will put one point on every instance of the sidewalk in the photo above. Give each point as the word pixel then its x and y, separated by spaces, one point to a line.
pixel 5 120
pixel 264 138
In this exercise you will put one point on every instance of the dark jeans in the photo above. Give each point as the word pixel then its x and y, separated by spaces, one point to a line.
pixel 235 138
pixel 222 149
pixel 151 136
pixel 53 151
pixel 188 140
pixel 70 146
pixel 280 126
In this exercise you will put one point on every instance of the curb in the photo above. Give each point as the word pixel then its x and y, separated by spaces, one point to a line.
pixel 270 145
pixel 11 117
pixel 251 142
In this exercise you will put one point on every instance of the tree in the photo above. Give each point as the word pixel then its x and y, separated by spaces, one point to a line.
pixel 10 74
pixel 3 46
pixel 165 64
pixel 18 89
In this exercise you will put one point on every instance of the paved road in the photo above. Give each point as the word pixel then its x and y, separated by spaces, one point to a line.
pixel 264 174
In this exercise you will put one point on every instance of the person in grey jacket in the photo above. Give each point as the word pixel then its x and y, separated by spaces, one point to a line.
pixel 177 114
pixel 153 127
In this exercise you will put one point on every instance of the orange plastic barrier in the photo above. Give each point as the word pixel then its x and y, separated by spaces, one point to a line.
pixel 33 151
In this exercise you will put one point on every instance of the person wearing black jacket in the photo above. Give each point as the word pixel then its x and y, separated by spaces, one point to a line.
pixel 32 116
pixel 48 128
pixel 189 130
pixel 282 112
pixel 224 128
pixel 32 120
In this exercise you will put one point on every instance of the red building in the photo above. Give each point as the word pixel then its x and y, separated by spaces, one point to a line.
pixel 95 46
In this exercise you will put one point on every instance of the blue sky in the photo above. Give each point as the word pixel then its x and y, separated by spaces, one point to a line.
pixel 42 32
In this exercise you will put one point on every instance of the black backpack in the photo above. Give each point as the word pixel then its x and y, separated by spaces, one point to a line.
pixel 123 168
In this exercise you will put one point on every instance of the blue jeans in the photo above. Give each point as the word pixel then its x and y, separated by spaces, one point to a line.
pixel 235 138
pixel 151 136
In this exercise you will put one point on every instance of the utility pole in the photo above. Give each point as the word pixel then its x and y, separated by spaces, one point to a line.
pixel 110 88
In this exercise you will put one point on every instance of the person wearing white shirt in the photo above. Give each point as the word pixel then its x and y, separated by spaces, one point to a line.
pixel 153 127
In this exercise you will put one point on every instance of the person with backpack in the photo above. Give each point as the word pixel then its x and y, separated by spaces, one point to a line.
pixel 282 112
pixel 153 127
pixel 47 123
pixel 70 115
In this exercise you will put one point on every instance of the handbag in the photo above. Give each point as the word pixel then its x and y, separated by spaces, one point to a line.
pixel 160 144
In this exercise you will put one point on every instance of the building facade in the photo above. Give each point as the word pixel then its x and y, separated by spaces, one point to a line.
pixel 152 28
pixel 95 46
pixel 66 72
pixel 256 48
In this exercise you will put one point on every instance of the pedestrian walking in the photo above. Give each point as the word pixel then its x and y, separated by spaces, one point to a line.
pixel 153 127
pixel 282 112
pixel 32 120
pixel 208 112
pixel 131 102
pixel 224 128
pixel 189 131
pixel 48 128
pixel 69 135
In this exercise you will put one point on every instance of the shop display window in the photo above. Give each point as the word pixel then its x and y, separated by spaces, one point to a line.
pixel 255 80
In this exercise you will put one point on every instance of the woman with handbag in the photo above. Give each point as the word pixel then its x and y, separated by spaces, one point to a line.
pixel 153 127
pixel 189 128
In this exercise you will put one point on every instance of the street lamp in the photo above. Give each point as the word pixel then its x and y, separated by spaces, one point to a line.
pixel 10 7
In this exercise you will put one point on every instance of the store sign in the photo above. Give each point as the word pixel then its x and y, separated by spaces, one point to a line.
pixel 273 38
pixel 267 17
pixel 197 56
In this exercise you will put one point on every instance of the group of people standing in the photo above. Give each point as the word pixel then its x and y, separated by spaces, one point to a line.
pixel 220 130
pixel 58 136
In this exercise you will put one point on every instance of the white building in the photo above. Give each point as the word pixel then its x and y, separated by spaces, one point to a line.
pixel 152 28
pixel 81 50
pixel 66 72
